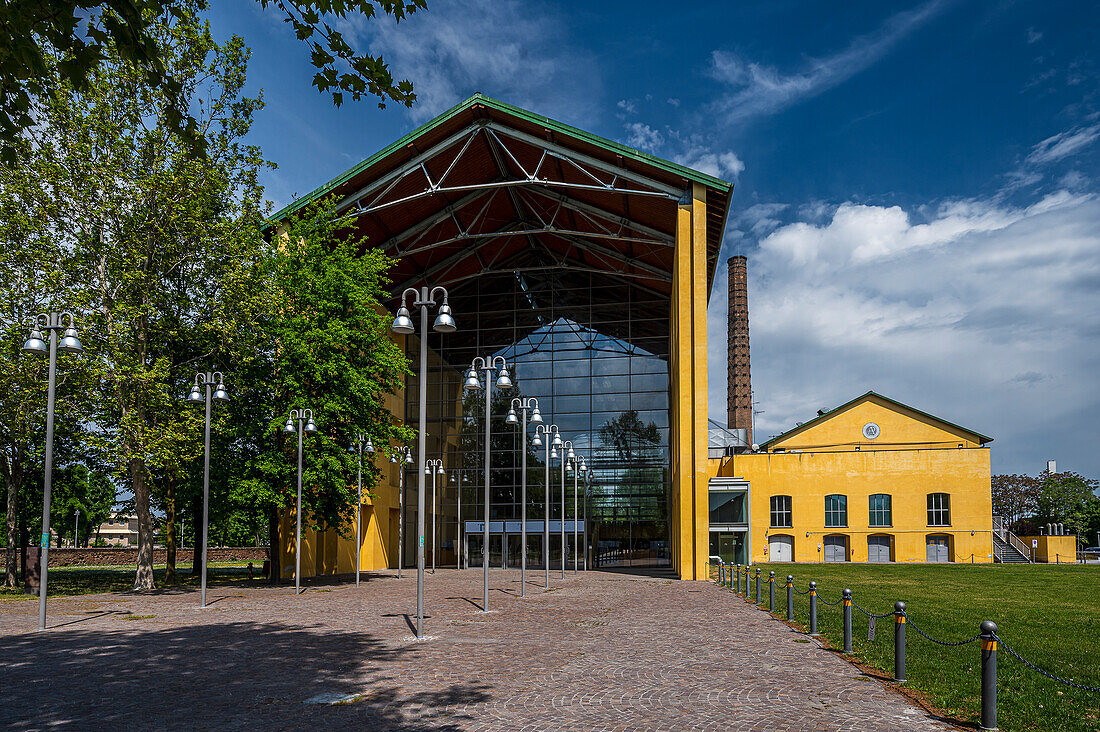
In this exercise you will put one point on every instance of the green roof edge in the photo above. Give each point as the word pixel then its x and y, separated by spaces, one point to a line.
pixel 981 438
pixel 480 98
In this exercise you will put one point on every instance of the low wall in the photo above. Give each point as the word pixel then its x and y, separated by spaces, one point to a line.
pixel 1054 549
pixel 127 556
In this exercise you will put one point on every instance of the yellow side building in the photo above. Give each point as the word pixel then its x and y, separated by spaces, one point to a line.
pixel 872 480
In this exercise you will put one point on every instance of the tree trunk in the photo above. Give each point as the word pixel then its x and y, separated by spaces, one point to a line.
pixel 14 478
pixel 143 580
pixel 273 546
pixel 196 545
pixel 170 538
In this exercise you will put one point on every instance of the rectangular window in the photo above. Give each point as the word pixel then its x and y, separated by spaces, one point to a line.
pixel 781 512
pixel 836 511
pixel 879 511
pixel 727 507
pixel 939 509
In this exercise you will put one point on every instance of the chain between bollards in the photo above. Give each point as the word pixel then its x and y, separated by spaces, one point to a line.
pixel 771 592
pixel 847 621
pixel 899 641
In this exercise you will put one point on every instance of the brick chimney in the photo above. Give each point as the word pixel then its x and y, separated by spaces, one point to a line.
pixel 738 383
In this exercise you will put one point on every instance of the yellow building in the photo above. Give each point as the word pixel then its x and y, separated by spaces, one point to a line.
pixel 872 480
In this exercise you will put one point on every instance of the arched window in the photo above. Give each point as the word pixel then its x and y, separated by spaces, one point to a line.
pixel 879 510
pixel 939 509
pixel 836 511
pixel 781 512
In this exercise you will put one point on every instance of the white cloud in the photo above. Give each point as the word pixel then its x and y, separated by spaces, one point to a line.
pixel 982 313
pixel 627 106
pixel 1063 145
pixel 763 90
pixel 721 165
pixel 503 48
pixel 1033 36
pixel 643 137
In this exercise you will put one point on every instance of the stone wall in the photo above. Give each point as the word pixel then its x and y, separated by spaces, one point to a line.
pixel 127 556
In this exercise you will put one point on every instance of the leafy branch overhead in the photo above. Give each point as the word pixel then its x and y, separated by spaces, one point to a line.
pixel 79 32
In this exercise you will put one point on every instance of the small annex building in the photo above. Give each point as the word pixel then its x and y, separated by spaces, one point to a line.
pixel 872 480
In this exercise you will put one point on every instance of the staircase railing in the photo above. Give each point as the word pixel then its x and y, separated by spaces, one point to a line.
pixel 1010 538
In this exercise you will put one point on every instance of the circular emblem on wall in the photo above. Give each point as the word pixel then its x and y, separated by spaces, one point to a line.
pixel 871 430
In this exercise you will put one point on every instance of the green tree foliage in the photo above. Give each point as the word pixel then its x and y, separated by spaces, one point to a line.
pixel 324 345
pixel 1029 502
pixel 88 34
pixel 78 488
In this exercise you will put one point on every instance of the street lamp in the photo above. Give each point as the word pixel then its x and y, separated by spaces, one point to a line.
pixel 402 456
pixel 551 450
pixel 297 421
pixel 536 417
pixel 403 325
pixel 35 345
pixel 363 443
pixel 579 466
pixel 206 381
pixel 433 468
pixel 76 528
pixel 567 456
pixel 503 381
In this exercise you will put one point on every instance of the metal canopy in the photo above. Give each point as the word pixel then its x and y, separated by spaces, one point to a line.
pixel 487 188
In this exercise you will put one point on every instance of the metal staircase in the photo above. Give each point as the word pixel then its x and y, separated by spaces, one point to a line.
pixel 1007 547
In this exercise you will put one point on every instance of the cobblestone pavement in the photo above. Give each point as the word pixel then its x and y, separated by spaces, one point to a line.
pixel 598 651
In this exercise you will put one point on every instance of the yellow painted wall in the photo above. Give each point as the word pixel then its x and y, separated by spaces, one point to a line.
pixel 908 475
pixel 1054 549
pixel 689 509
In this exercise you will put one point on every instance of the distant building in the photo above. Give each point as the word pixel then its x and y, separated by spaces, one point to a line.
pixel 118 530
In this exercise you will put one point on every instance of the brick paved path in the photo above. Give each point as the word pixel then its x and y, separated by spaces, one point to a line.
pixel 599 651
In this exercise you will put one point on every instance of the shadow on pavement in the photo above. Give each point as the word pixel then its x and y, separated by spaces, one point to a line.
pixel 227 676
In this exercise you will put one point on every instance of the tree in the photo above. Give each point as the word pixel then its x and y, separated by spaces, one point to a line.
pixel 325 346
pixel 88 34
pixel 78 488
pixel 159 238
pixel 1064 498
pixel 1015 497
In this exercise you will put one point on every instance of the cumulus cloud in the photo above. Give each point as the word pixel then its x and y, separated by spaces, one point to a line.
pixel 983 313
pixel 721 165
pixel 1063 145
pixel 518 52
pixel 643 137
pixel 759 89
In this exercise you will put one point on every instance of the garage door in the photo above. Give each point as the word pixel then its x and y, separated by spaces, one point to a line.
pixel 781 548
pixel 878 548
pixel 937 550
pixel 836 549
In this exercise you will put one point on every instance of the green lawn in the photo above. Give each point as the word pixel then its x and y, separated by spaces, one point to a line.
pixel 1048 614
pixel 90 580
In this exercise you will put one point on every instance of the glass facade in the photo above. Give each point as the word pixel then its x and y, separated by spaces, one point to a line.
pixel 593 350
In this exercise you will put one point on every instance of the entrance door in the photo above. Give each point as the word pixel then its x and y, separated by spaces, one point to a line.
pixel 836 548
pixel 938 549
pixel 781 548
pixel 878 548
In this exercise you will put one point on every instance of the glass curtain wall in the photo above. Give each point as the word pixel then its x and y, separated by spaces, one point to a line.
pixel 593 350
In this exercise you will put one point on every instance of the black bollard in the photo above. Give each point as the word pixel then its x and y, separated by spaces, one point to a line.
pixel 847 621
pixel 790 597
pixel 738 579
pixel 758 585
pixel 771 591
pixel 989 674
pixel 899 641
pixel 813 608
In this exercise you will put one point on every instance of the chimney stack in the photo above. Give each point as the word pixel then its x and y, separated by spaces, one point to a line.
pixel 738 383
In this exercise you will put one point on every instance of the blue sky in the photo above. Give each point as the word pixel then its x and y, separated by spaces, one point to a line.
pixel 916 182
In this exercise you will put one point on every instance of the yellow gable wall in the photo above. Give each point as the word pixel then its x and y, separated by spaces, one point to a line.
pixel 900 428
pixel 901 466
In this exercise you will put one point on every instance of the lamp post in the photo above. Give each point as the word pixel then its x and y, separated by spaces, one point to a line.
pixel 76 528
pixel 551 451
pixel 403 325
pixel 567 456
pixel 579 466
pixel 362 442
pixel 434 468
pixel 401 456
pixel 35 345
pixel 503 381
pixel 297 421
pixel 536 418
pixel 206 381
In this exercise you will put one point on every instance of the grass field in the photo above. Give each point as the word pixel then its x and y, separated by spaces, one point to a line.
pixel 1048 614
pixel 90 580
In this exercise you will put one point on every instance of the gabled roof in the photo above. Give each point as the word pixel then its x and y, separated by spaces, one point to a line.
pixel 978 437
pixel 488 186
